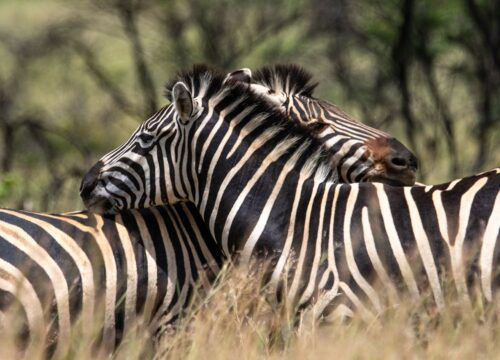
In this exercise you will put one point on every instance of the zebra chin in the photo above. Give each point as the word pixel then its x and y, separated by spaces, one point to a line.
pixel 100 204
pixel 407 179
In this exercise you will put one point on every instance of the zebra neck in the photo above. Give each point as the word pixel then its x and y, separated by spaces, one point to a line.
pixel 243 158
pixel 239 199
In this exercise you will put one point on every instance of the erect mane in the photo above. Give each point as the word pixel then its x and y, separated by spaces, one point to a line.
pixel 292 79
pixel 197 77
pixel 205 81
pixel 288 78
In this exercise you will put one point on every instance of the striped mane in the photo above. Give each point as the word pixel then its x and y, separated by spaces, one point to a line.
pixel 207 82
pixel 292 79
pixel 288 78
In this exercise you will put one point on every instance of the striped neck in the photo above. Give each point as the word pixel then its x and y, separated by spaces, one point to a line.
pixel 242 164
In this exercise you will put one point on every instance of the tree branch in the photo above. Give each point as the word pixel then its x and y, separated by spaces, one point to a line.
pixel 128 18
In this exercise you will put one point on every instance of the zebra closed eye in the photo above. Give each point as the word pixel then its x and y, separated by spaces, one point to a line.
pixel 146 138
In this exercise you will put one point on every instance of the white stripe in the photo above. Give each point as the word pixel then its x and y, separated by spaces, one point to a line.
pixel 441 216
pixel 80 258
pixel 452 184
pixel 395 242
pixel 375 259
pixel 366 314
pixel 188 281
pixel 268 161
pixel 110 274
pixel 488 249
pixel 152 268
pixel 216 157
pixel 285 255
pixel 23 241
pixel 457 252
pixel 171 264
pixel 331 142
pixel 424 248
pixel 306 295
pixel 131 265
pixel 13 281
pixel 349 251
pixel 264 216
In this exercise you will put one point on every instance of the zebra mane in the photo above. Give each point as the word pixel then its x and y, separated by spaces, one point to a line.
pixel 205 81
pixel 197 78
pixel 288 78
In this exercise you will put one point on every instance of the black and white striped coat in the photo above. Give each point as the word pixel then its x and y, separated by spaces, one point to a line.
pixel 266 190
pixel 105 272
pixel 71 264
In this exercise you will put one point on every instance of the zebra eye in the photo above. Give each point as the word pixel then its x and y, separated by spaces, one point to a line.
pixel 146 137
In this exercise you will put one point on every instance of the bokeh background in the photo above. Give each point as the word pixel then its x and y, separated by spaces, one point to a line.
pixel 76 77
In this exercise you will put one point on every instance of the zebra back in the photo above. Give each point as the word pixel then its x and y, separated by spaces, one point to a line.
pixel 103 272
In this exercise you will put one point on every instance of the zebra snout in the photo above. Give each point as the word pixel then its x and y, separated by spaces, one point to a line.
pixel 93 193
pixel 101 205
pixel 98 201
pixel 90 180
pixel 400 158
pixel 402 161
pixel 396 164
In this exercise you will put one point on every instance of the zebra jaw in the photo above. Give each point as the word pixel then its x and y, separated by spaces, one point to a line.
pixel 101 203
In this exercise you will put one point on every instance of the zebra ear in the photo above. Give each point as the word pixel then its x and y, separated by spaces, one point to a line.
pixel 242 75
pixel 183 101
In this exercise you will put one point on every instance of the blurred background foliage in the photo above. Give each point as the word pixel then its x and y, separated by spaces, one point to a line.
pixel 76 77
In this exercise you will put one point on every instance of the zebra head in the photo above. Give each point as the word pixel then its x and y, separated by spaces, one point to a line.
pixel 151 168
pixel 139 173
pixel 178 153
pixel 359 152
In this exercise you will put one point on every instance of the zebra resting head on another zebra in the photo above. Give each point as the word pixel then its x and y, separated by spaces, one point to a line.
pixel 267 190
pixel 73 266
pixel 359 152
pixel 212 122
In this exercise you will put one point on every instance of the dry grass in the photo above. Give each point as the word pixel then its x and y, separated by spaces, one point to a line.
pixel 236 320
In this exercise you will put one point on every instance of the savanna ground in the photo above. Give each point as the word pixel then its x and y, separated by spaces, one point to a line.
pixel 76 77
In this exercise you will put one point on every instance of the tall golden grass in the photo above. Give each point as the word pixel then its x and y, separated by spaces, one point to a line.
pixel 235 320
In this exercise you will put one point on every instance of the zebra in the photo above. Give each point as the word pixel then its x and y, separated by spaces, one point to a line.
pixel 267 190
pixel 359 153
pixel 20 231
pixel 107 272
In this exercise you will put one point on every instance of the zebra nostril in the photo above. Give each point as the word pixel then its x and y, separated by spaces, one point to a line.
pixel 399 162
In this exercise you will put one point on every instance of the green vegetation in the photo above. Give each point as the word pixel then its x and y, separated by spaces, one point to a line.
pixel 77 76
